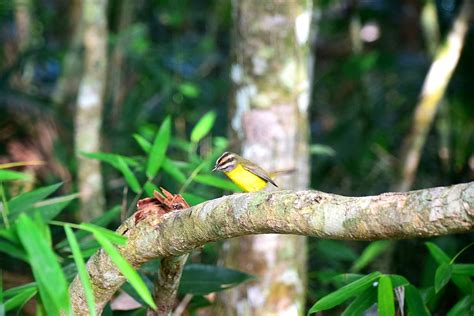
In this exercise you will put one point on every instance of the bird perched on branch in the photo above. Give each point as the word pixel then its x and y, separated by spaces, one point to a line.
pixel 246 174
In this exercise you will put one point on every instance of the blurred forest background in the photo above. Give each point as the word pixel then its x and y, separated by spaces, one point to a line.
pixel 84 82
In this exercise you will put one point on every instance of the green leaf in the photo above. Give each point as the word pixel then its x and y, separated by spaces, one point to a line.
pixel 9 175
pixel 110 235
pixel 125 268
pixel 217 182
pixel 201 279
pixel 170 168
pixel 346 278
pixel 13 251
pixel 321 150
pixel 18 289
pixel 463 282
pixel 343 294
pixel 81 269
pixel 362 303
pixel 398 280
pixel 370 253
pixel 462 307
pixel 442 276
pixel 128 175
pixel 189 89
pixel 43 261
pixel 50 208
pixel 142 142
pixel 111 159
pixel 149 188
pixel 193 199
pixel 463 269
pixel 335 250
pixel 385 299
pixel 158 150
pixel 20 299
pixel 203 126
pixel 439 255
pixel 415 304
pixel 25 201
pixel 103 220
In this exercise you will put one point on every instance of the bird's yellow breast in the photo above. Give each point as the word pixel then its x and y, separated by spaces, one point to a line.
pixel 245 179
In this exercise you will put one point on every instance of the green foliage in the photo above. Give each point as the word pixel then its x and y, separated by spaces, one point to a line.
pixel 200 279
pixel 386 306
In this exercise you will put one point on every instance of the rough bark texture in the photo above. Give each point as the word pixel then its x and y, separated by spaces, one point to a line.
pixel 269 126
pixel 89 107
pixel 434 87
pixel 423 213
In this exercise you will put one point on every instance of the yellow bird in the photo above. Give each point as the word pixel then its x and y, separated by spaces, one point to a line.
pixel 247 175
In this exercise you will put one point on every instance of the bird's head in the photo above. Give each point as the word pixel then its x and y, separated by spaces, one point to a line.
pixel 226 162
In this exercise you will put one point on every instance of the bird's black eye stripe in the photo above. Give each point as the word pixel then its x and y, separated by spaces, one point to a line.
pixel 225 158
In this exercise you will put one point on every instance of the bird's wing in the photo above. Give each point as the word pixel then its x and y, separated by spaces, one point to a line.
pixel 259 172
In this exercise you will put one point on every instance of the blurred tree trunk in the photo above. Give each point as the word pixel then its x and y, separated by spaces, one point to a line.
pixel 269 104
pixel 89 107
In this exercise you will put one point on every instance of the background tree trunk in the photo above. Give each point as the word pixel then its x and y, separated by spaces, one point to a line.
pixel 89 107
pixel 270 98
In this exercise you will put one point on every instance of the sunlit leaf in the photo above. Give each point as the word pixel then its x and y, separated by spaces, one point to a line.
pixel 50 208
pixel 125 268
pixel 25 201
pixel 189 89
pixel 385 298
pixel 142 142
pixel 158 150
pixel 81 269
pixel 9 175
pixel 128 175
pixel 398 280
pixel 442 276
pixel 343 294
pixel 203 127
pixel 200 279
pixel 217 182
pixel 112 236
pixel 43 261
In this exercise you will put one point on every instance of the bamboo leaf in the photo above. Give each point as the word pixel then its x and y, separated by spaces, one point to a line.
pixel 442 276
pixel 81 269
pixel 362 303
pixel 385 299
pixel 20 299
pixel 43 261
pixel 158 150
pixel 142 142
pixel 128 175
pixel 125 268
pixel 343 294
pixel 25 201
pixel 170 168
pixel 203 126
pixel 217 182
pixel 439 255
pixel 415 304
pixel 9 175
pixel 462 307
pixel 371 252
pixel 463 269
pixel 106 233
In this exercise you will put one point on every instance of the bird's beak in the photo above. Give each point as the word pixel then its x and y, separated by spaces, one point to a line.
pixel 214 169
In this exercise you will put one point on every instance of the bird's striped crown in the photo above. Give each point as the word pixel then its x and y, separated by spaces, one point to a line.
pixel 226 162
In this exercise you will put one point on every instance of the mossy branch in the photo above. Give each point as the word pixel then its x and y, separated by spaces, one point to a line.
pixel 422 213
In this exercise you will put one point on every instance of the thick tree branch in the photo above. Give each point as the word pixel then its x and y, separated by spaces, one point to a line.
pixel 423 213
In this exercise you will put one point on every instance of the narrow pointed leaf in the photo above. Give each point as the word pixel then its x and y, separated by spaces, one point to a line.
pixel 415 304
pixel 217 182
pixel 125 268
pixel 463 307
pixel 142 142
pixel 81 269
pixel 112 236
pixel 437 253
pixel 158 149
pixel 9 175
pixel 385 298
pixel 203 127
pixel 463 269
pixel 43 261
pixel 25 201
pixel 19 299
pixel 370 253
pixel 362 303
pixel 343 294
pixel 442 276
pixel 128 175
